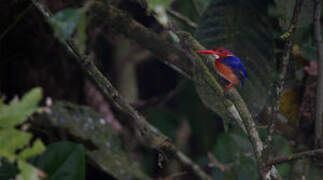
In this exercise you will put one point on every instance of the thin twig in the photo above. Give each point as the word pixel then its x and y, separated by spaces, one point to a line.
pixel 151 136
pixel 216 163
pixel 196 7
pixel 281 79
pixel 173 176
pixel 160 101
pixel 12 25
pixel 295 156
pixel 319 92
pixel 182 18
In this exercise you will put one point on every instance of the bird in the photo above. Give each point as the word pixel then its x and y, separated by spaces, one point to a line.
pixel 227 65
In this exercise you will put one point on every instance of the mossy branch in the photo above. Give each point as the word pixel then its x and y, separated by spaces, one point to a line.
pixel 120 22
pixel 231 98
pixel 151 136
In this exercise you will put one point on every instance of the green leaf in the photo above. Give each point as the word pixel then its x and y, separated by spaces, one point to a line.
pixel 63 161
pixel 28 172
pixel 243 26
pixel 156 3
pixel 18 111
pixel 160 6
pixel 309 51
pixel 80 39
pixel 165 120
pixel 246 169
pixel 234 149
pixel 315 172
pixel 1 103
pixel 65 22
pixel 11 140
pixel 226 150
pixel 37 148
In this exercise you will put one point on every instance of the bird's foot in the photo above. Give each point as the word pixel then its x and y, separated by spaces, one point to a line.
pixel 228 86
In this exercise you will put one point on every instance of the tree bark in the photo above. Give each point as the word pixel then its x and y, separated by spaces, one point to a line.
pixel 319 92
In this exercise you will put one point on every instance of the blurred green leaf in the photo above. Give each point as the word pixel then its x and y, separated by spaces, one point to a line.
pixel 233 149
pixel 37 147
pixel 65 22
pixel 62 161
pixel 165 120
pixel 246 169
pixel 28 172
pixel 199 117
pixel 284 170
pixel 281 146
pixel 13 140
pixel 156 3
pixel 7 170
pixel 309 51
pixel 226 149
pixel 81 37
pixel 315 173
pixel 159 7
pixel 18 111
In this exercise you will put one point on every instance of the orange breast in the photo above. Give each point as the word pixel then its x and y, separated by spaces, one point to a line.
pixel 226 72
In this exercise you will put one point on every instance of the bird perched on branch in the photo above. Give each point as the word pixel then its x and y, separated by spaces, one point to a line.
pixel 227 65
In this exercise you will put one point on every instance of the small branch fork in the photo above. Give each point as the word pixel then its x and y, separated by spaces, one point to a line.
pixel 216 163
pixel 295 156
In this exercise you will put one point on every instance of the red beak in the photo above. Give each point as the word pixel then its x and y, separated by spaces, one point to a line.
pixel 208 52
pixel 205 52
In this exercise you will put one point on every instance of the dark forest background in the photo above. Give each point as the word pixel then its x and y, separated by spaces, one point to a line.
pixel 112 89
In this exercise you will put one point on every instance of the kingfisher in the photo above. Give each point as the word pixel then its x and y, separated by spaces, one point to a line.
pixel 227 65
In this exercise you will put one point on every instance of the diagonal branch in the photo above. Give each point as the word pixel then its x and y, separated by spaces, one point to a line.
pixel 295 156
pixel 17 20
pixel 118 21
pixel 234 100
pixel 122 23
pixel 152 136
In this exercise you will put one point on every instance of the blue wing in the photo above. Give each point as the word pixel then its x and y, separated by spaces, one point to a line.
pixel 235 63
